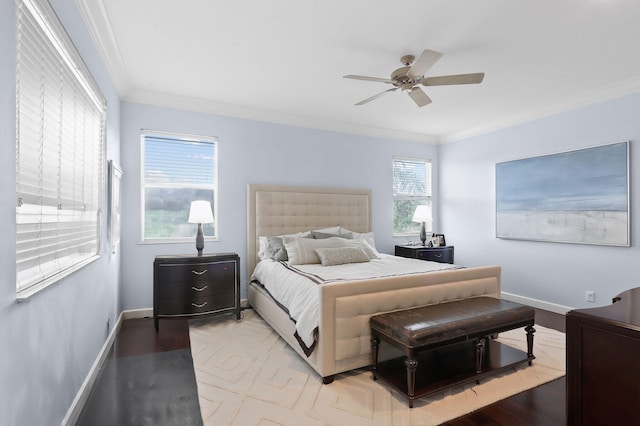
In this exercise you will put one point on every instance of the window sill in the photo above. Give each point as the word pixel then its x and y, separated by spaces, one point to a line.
pixel 27 293
pixel 176 240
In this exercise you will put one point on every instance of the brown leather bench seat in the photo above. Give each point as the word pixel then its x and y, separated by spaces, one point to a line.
pixel 430 327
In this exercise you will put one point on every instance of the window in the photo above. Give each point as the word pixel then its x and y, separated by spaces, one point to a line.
pixel 60 119
pixel 411 188
pixel 176 170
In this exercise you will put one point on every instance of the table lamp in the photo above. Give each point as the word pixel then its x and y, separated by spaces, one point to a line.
pixel 422 215
pixel 200 213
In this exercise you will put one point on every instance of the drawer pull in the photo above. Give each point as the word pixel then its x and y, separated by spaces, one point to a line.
pixel 202 305
pixel 199 289
pixel 199 273
pixel 437 255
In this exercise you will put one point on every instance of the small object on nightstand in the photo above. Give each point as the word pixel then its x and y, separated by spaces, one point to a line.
pixel 191 286
pixel 434 254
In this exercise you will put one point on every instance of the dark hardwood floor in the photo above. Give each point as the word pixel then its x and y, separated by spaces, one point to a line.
pixel 544 405
pixel 147 379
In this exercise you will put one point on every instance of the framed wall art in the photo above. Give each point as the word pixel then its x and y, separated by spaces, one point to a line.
pixel 579 196
pixel 115 174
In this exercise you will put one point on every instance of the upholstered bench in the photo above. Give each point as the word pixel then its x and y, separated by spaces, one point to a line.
pixel 451 341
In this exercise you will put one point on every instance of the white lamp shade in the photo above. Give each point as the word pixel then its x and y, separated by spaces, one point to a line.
pixel 200 212
pixel 422 214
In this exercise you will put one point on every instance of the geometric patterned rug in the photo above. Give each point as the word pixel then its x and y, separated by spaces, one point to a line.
pixel 247 375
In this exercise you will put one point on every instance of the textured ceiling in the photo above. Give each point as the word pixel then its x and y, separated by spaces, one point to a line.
pixel 283 60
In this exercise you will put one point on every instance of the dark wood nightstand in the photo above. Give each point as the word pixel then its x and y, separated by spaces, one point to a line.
pixel 190 286
pixel 435 254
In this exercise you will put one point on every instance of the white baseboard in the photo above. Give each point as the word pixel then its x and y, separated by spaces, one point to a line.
pixel 137 313
pixel 73 413
pixel 540 304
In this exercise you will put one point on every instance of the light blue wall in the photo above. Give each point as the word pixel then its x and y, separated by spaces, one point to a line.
pixel 253 152
pixel 551 272
pixel 48 343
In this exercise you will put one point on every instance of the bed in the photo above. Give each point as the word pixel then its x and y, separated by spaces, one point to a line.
pixel 343 337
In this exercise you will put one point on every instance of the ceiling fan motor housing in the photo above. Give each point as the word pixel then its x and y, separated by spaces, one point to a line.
pixel 401 78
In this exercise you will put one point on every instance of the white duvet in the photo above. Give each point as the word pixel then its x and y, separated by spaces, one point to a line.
pixel 296 287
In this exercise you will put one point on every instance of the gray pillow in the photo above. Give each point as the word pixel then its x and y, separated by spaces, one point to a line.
pixel 322 235
pixel 341 255
pixel 275 249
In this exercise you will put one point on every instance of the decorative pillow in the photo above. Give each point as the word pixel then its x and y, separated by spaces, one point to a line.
pixel 302 250
pixel 273 247
pixel 367 237
pixel 332 230
pixel 321 235
pixel 368 248
pixel 341 255
pixel 276 248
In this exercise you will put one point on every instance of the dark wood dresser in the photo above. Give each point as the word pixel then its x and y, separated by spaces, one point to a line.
pixel 189 286
pixel 603 362
pixel 442 254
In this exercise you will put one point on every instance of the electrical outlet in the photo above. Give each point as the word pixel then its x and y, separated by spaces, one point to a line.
pixel 590 296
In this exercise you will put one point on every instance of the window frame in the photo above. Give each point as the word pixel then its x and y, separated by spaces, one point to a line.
pixel 428 199
pixel 56 234
pixel 186 138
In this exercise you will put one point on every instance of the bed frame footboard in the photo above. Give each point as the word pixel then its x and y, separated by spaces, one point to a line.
pixel 344 334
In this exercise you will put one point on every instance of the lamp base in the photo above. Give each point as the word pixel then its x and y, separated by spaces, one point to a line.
pixel 200 240
pixel 423 233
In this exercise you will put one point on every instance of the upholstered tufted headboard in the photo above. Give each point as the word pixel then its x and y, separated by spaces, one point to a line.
pixel 278 210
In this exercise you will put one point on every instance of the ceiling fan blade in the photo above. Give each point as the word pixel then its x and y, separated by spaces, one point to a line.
pixel 425 61
pixel 419 97
pixel 362 77
pixel 374 97
pixel 454 79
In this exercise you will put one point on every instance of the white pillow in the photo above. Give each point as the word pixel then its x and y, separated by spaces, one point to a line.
pixel 266 252
pixel 364 236
pixel 341 255
pixel 369 249
pixel 301 251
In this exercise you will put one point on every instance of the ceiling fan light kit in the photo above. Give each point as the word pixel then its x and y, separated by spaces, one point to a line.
pixel 411 74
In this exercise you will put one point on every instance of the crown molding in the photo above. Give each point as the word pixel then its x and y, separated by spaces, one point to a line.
pixel 591 97
pixel 237 111
pixel 96 18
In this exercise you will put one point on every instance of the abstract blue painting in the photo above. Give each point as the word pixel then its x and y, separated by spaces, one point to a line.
pixel 579 196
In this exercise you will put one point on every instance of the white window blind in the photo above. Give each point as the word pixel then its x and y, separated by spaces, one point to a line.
pixel 411 188
pixel 60 116
pixel 176 170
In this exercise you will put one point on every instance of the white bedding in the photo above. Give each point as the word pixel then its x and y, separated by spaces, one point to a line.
pixel 296 287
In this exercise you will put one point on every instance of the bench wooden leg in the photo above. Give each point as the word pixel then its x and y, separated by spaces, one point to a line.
pixel 375 344
pixel 411 364
pixel 530 330
pixel 479 354
pixel 327 380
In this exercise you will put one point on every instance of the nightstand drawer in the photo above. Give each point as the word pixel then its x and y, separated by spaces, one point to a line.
pixel 194 305
pixel 185 289
pixel 436 254
pixel 196 272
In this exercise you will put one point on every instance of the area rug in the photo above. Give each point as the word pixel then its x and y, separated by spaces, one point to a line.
pixel 247 375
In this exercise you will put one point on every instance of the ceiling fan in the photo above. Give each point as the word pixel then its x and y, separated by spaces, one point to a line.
pixel 408 77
